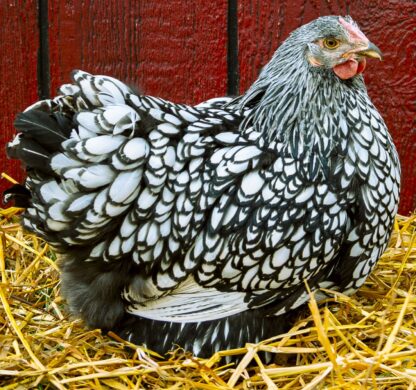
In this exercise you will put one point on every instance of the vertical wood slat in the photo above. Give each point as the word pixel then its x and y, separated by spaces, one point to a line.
pixel 233 71
pixel 263 25
pixel 18 69
pixel 175 49
pixel 43 54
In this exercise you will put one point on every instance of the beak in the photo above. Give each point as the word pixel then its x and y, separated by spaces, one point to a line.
pixel 371 51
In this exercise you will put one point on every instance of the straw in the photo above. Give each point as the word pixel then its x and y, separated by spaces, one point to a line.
pixel 366 341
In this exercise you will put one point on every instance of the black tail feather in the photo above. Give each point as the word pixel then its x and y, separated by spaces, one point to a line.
pixel 65 124
pixel 19 194
pixel 49 130
pixel 41 133
pixel 31 153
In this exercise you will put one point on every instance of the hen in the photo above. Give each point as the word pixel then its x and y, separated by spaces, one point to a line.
pixel 199 226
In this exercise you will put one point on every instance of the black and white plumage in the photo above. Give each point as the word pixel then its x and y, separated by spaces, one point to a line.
pixel 199 226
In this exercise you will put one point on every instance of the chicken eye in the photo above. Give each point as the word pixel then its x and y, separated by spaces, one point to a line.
pixel 331 43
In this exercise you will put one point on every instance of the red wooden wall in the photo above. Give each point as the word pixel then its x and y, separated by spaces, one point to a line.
pixel 18 75
pixel 177 49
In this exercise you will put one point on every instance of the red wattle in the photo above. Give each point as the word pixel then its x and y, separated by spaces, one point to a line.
pixel 350 68
pixel 361 66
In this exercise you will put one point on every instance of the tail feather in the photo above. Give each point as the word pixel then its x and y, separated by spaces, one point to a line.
pixel 19 194
pixel 31 153
pixel 41 133
pixel 49 130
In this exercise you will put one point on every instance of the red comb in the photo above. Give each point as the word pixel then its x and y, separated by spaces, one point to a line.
pixel 353 31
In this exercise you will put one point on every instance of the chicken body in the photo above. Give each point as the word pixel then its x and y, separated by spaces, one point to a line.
pixel 199 226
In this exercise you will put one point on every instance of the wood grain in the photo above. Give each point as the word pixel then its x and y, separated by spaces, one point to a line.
pixel 175 49
pixel 391 25
pixel 18 81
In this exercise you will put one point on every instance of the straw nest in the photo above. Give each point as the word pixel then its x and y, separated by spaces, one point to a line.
pixel 367 341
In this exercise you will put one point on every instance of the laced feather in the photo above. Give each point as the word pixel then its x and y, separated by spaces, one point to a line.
pixel 203 222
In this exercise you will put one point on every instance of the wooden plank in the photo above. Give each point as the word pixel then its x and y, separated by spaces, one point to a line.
pixel 18 81
pixel 174 49
pixel 264 24
pixel 392 83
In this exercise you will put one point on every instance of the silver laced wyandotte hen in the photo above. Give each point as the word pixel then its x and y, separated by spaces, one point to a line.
pixel 202 226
